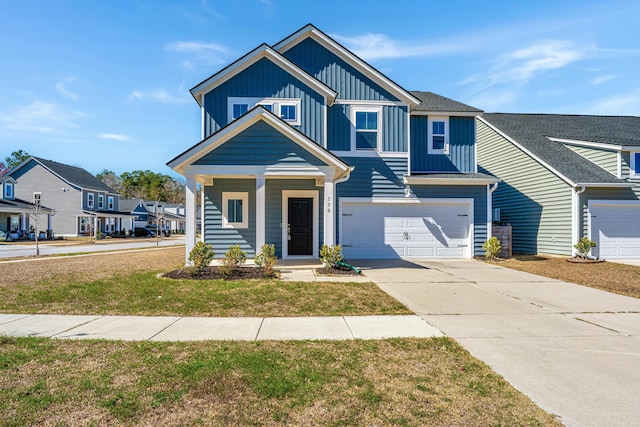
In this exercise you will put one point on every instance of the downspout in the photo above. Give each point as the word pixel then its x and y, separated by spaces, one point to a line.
pixel 575 223
pixel 490 190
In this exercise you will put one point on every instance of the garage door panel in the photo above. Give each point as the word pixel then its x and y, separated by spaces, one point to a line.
pixel 616 230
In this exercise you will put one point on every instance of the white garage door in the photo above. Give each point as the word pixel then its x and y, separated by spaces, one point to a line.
pixel 405 230
pixel 616 230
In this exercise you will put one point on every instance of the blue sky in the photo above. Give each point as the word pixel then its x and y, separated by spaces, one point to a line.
pixel 104 84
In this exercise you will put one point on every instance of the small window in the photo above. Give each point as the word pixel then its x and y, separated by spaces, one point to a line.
pixel 100 201
pixel 438 135
pixel 8 190
pixel 110 201
pixel 635 164
pixel 288 112
pixel 235 210
pixel 366 130
pixel 37 199
pixel 90 200
pixel 268 107
pixel 239 109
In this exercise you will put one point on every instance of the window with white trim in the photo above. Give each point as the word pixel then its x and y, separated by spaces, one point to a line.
pixel 438 135
pixel 90 200
pixel 288 109
pixel 235 210
pixel 8 190
pixel 110 203
pixel 635 164
pixel 37 198
pixel 366 128
pixel 100 201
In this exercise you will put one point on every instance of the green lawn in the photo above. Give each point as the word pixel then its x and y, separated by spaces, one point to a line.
pixel 409 382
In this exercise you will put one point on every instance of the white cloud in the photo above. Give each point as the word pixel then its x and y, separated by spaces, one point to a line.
pixel 64 91
pixel 115 137
pixel 627 104
pixel 199 52
pixel 522 65
pixel 42 117
pixel 603 79
pixel 160 96
pixel 195 47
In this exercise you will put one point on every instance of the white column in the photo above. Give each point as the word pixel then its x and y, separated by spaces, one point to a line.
pixel 95 226
pixel 24 221
pixel 261 189
pixel 48 222
pixel 190 216
pixel 202 198
pixel 329 212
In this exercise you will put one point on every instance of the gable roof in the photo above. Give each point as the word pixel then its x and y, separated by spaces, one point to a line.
pixel 257 113
pixel 432 103
pixel 128 205
pixel 262 51
pixel 310 31
pixel 535 133
pixel 72 174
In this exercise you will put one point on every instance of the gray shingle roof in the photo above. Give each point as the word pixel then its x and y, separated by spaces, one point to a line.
pixel 430 101
pixel 533 131
pixel 75 175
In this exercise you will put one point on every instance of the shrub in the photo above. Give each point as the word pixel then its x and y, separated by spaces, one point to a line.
pixel 491 248
pixel 331 255
pixel 201 255
pixel 583 247
pixel 267 259
pixel 233 258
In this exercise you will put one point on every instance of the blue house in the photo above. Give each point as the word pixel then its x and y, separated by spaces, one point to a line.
pixel 304 144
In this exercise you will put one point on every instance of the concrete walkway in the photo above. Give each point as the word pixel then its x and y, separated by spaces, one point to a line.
pixel 574 350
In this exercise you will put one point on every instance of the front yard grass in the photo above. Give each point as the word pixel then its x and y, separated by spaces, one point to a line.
pixel 127 284
pixel 608 276
pixel 391 382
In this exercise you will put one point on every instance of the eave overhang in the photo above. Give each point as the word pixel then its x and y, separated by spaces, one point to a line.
pixel 462 180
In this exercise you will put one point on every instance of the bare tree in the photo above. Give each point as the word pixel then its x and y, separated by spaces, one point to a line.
pixel 34 217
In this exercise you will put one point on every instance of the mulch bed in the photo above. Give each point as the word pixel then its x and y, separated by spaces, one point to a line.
pixel 578 260
pixel 218 273
pixel 335 272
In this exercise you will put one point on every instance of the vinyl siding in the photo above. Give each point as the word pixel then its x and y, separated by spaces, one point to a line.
pixel 461 157
pixel 626 172
pixel 536 202
pixel 260 144
pixel 477 193
pixel 336 73
pixel 606 159
pixel 222 238
pixel 394 128
pixel 264 79
pixel 33 177
pixel 273 220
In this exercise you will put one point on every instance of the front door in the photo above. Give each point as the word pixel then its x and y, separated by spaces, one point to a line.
pixel 300 228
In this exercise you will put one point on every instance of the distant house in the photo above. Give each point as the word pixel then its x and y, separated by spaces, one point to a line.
pixel 16 214
pixel 82 203
pixel 565 177
pixel 306 144
pixel 144 212
pixel 138 210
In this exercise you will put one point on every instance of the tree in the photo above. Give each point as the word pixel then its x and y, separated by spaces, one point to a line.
pixel 111 179
pixel 15 159
pixel 34 217
pixel 3 169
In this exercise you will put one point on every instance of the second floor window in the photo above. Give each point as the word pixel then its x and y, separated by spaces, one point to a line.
pixel 100 201
pixel 110 202
pixel 90 200
pixel 365 129
pixel 8 190
pixel 288 112
pixel 438 135
pixel 635 165
pixel 239 109
pixel 288 109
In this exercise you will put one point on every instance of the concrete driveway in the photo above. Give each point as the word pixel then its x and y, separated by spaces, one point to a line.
pixel 573 350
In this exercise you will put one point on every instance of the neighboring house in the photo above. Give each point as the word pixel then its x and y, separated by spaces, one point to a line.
pixel 565 177
pixel 82 203
pixel 17 215
pixel 172 215
pixel 138 210
pixel 304 144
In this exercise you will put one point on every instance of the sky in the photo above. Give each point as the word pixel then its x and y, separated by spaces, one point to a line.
pixel 105 84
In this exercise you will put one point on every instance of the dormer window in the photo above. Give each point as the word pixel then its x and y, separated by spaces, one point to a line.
pixel 438 135
pixel 635 164
pixel 288 112
pixel 288 109
pixel 239 109
pixel 8 190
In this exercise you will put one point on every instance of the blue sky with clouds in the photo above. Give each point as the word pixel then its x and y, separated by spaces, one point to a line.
pixel 104 84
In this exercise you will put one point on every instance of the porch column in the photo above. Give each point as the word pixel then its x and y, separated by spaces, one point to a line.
pixel 202 199
pixel 48 221
pixel 95 226
pixel 260 212
pixel 329 212
pixel 190 216
pixel 24 221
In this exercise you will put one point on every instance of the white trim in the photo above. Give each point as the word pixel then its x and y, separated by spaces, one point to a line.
pixel 325 125
pixel 286 195
pixel 367 102
pixel 90 200
pixel 352 117
pixel 490 191
pixel 529 153
pixel 426 180
pixel 261 212
pixel 329 212
pixel 100 201
pixel 632 164
pixel 251 171
pixel 349 57
pixel 575 216
pixel 414 200
pixel 202 115
pixel 363 153
pixel 619 159
pixel 430 135
pixel 447 113
pixel 8 195
pixel 589 144
pixel 262 51
pixel 408 141
pixel 242 196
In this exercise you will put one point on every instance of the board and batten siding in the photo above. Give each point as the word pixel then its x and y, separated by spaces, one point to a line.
pixel 626 172
pixel 264 79
pixel 479 195
pixel 535 201
pixel 606 159
pixel 260 144
pixel 330 69
pixel 394 128
pixel 222 238
pixel 462 138
pixel 33 177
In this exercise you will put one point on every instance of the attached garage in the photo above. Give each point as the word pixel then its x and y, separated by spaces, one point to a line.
pixel 615 227
pixel 424 228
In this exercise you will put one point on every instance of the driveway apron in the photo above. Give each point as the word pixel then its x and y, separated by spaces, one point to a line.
pixel 573 350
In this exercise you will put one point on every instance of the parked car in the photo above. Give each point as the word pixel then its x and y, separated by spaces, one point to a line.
pixel 154 229
pixel 144 232
pixel 3 235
